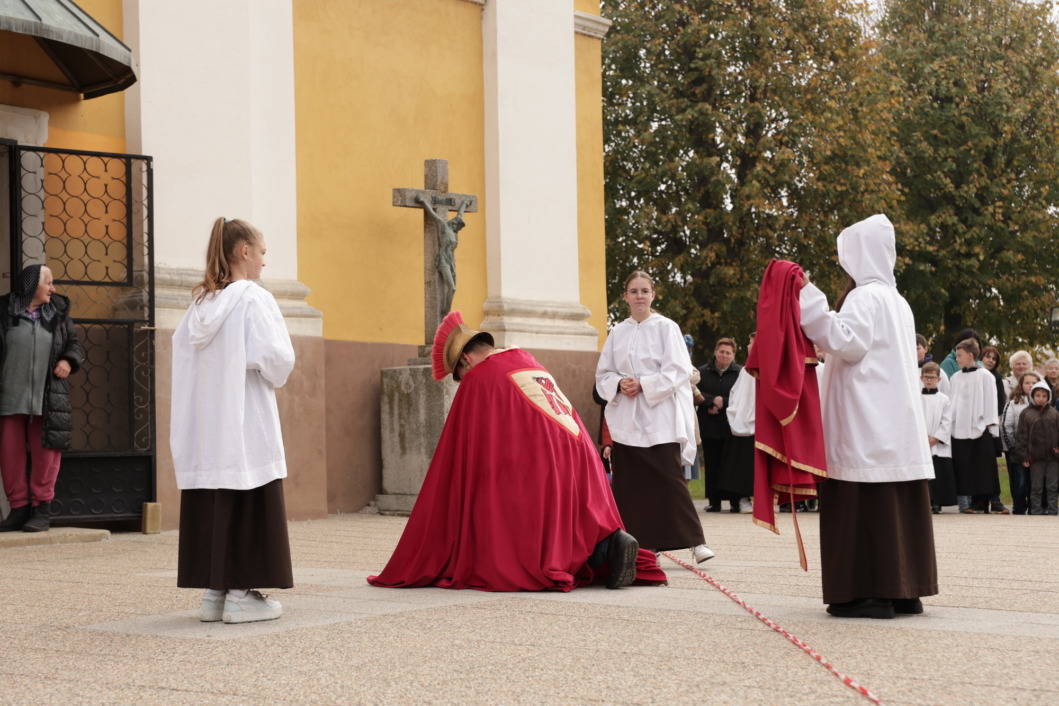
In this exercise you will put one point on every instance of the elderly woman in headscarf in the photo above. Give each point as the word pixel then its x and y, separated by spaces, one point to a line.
pixel 38 353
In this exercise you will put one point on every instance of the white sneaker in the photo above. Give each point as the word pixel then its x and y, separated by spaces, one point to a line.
pixel 701 553
pixel 254 608
pixel 745 507
pixel 212 609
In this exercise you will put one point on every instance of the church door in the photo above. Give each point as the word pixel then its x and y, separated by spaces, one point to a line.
pixel 88 217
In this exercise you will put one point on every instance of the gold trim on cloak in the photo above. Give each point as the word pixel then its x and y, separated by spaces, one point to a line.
pixel 800 466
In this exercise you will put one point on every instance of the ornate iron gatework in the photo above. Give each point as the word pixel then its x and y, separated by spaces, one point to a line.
pixel 88 216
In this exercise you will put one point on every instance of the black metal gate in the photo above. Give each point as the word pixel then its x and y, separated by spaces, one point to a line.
pixel 88 217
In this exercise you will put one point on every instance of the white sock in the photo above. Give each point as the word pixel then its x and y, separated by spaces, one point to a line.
pixel 238 592
pixel 213 593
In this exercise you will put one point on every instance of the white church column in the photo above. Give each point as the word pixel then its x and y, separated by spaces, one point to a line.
pixel 214 107
pixel 531 177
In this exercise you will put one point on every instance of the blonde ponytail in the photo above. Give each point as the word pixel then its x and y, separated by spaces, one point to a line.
pixel 225 237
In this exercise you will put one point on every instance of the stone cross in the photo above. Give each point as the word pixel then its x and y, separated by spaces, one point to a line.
pixel 437 198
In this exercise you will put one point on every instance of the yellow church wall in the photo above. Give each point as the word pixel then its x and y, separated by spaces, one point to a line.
pixel 379 88
pixel 590 217
pixel 97 124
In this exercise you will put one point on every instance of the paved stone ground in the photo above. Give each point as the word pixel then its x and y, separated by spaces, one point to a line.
pixel 102 622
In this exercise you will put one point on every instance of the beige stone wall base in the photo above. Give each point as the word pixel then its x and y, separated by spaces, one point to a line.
pixel 544 325
pixel 172 297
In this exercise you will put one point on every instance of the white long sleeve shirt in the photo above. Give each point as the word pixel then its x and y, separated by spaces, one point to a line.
pixel 652 351
pixel 230 353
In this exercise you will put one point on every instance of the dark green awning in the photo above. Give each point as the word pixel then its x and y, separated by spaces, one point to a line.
pixel 56 44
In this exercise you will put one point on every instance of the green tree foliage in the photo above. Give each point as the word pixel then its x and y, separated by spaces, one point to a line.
pixel 737 131
pixel 977 117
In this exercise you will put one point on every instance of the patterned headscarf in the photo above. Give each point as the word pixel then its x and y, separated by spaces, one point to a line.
pixel 22 295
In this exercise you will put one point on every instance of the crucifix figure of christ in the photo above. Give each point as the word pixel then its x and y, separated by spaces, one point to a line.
pixel 439 237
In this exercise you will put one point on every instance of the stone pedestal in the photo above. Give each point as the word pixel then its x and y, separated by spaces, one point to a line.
pixel 414 409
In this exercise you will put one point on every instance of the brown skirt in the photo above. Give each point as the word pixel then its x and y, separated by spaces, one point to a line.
pixel 653 499
pixel 234 539
pixel 876 540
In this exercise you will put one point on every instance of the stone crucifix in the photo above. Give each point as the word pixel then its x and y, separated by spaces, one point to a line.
pixel 440 237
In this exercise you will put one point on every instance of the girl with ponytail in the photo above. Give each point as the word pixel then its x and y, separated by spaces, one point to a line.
pixel 230 353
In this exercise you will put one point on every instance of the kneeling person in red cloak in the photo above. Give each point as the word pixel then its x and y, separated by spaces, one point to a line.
pixel 516 498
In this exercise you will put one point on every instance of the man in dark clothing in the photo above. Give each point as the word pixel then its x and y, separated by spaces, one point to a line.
pixel 717 378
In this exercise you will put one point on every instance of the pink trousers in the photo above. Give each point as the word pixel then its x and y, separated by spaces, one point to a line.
pixel 20 433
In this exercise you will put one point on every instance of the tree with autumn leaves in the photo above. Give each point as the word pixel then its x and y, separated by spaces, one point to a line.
pixel 741 130
pixel 976 91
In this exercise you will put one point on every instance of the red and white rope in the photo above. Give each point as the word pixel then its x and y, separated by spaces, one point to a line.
pixel 848 681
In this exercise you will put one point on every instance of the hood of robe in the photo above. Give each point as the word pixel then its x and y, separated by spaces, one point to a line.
pixel 1041 385
pixel 209 315
pixel 867 251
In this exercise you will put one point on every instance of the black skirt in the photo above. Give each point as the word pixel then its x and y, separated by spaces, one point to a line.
pixel 234 539
pixel 653 498
pixel 737 467
pixel 974 461
pixel 876 540
pixel 943 487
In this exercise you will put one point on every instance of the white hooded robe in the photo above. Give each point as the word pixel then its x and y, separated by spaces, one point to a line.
pixel 230 353
pixel 870 400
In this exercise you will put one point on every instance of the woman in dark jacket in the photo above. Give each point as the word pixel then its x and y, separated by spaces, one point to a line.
pixel 718 377
pixel 38 353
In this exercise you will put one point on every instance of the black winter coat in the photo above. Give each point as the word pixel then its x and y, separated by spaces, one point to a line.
pixel 57 411
pixel 713 384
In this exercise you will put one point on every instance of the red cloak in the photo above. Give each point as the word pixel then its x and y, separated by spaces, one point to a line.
pixel 789 457
pixel 515 498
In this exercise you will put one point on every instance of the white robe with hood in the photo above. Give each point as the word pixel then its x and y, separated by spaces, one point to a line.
pixel 654 352
pixel 870 401
pixel 742 401
pixel 230 352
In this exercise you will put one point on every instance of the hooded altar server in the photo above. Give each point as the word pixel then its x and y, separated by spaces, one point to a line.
pixel 876 533
pixel 516 498
pixel 230 353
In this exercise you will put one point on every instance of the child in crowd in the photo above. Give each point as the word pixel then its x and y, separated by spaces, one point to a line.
pixel 937 413
pixel 923 357
pixel 975 425
pixel 1038 445
pixel 1018 475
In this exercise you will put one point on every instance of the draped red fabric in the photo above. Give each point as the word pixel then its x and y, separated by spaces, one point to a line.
pixel 516 498
pixel 789 457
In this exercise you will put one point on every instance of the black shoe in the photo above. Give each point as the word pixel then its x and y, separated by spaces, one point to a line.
pixel 41 519
pixel 800 506
pixel 907 606
pixel 785 507
pixel 713 508
pixel 936 509
pixel 16 519
pixel 621 559
pixel 879 608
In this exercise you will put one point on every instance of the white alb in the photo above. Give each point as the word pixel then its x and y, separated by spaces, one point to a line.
pixel 230 353
pixel 652 351
pixel 871 412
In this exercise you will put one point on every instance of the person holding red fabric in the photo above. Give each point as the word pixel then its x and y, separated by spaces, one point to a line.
pixel 876 531
pixel 516 498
